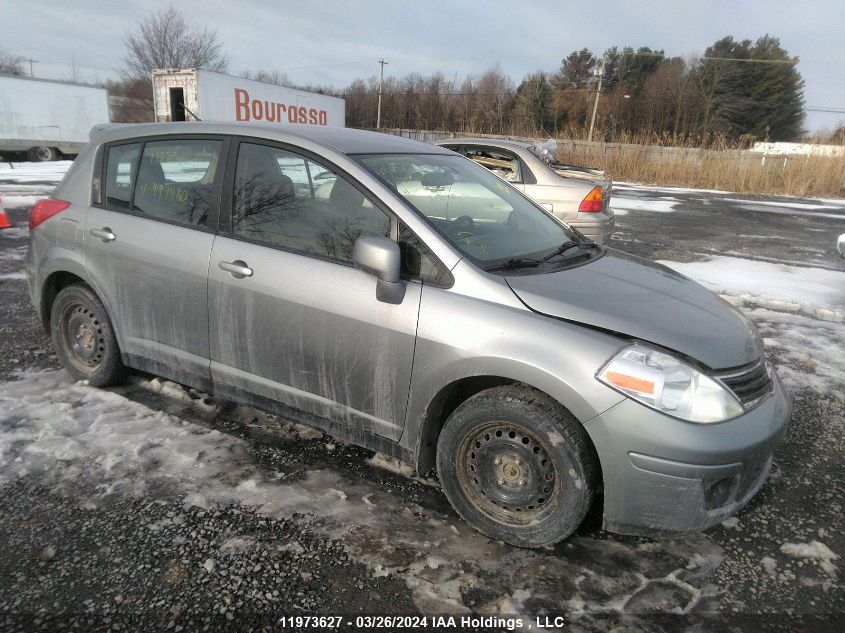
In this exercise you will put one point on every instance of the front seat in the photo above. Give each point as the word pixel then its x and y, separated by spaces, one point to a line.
pixel 260 186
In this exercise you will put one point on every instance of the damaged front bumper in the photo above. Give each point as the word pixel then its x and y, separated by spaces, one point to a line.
pixel 665 475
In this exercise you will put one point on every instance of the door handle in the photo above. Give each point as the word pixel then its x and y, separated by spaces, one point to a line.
pixel 104 234
pixel 238 269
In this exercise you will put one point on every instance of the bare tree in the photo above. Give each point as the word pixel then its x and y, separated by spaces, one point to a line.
pixel 73 73
pixel 164 39
pixel 130 100
pixel 11 64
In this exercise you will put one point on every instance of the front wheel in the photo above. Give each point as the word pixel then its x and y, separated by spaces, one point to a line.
pixel 517 466
pixel 84 338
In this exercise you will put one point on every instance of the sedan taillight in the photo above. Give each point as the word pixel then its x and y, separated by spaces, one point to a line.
pixel 592 202
pixel 44 210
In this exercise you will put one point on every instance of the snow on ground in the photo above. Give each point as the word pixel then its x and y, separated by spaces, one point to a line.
pixel 12 254
pixel 635 186
pixel 771 284
pixel 622 205
pixel 66 433
pixel 816 551
pixel 15 232
pixel 27 173
pixel 10 201
pixel 805 206
pixel 800 312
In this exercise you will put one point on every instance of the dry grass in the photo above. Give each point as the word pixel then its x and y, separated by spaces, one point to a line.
pixel 727 169
pixel 714 162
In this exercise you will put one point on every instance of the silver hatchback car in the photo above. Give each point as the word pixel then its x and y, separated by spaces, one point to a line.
pixel 402 297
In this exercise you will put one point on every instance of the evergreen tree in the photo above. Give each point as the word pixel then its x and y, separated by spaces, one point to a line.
pixel 576 69
pixel 630 68
pixel 751 88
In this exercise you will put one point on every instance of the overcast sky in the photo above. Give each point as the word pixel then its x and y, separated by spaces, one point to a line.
pixel 332 42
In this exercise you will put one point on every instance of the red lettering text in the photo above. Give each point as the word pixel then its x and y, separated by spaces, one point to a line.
pixel 247 109
pixel 241 105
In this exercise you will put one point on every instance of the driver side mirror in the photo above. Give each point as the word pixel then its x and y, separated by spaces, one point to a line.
pixel 380 256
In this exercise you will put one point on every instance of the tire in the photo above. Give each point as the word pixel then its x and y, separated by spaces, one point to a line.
pixel 42 154
pixel 543 483
pixel 84 338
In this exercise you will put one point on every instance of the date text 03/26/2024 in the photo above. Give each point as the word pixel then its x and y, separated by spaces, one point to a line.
pixel 421 622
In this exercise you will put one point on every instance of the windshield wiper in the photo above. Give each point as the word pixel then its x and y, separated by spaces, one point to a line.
pixel 569 245
pixel 515 263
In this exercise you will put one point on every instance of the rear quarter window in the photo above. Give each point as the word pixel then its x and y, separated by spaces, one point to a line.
pixel 120 170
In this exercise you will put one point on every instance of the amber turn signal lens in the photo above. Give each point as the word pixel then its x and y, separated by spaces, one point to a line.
pixel 629 382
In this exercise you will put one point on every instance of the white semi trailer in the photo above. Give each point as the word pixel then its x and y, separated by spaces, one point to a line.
pixel 47 119
pixel 190 94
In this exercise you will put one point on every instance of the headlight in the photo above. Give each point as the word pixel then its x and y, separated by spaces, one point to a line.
pixel 669 385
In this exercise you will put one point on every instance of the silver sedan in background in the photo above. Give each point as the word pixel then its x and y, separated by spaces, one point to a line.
pixel 583 202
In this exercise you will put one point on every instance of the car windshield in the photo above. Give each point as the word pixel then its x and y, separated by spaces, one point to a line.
pixel 484 217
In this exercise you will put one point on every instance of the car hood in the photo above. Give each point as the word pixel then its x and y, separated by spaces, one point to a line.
pixel 646 301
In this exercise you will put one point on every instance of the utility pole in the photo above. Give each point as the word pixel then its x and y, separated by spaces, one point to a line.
pixel 30 60
pixel 380 88
pixel 596 104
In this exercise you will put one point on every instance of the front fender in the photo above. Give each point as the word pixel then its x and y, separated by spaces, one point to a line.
pixel 461 337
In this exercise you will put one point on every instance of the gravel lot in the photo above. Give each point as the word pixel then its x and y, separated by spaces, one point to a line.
pixel 164 508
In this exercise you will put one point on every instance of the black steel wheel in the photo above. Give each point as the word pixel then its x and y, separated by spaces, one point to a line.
pixel 508 473
pixel 517 466
pixel 84 338
pixel 42 154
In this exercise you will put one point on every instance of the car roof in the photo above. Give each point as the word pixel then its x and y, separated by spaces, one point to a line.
pixel 341 139
pixel 486 141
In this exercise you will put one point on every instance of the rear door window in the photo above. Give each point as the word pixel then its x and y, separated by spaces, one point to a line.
pixel 176 180
pixel 502 163
pixel 120 170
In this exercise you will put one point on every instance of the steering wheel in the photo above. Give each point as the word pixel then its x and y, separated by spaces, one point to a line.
pixel 464 224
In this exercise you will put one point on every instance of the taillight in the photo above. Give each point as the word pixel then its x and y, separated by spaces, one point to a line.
pixel 592 202
pixel 44 210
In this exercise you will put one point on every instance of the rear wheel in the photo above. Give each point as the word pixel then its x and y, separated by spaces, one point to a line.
pixel 84 338
pixel 517 466
pixel 42 154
